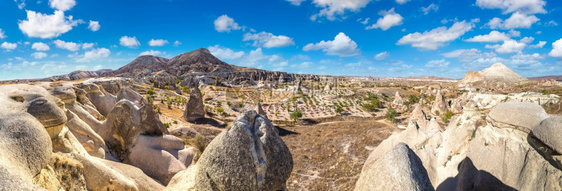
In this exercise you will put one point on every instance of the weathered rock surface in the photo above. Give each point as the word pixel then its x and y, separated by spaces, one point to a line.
pixel 194 109
pixel 549 131
pixel 159 156
pixel 440 105
pixel 399 169
pixel 521 116
pixel 248 156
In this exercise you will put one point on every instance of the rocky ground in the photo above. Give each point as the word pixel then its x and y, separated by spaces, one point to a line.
pixel 329 156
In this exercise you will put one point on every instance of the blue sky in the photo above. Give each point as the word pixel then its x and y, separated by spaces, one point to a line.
pixel 385 38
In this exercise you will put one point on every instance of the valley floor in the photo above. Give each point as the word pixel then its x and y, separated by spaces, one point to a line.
pixel 329 156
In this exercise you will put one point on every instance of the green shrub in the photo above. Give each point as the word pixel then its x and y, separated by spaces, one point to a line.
pixel 390 114
pixel 339 110
pixel 447 116
pixel 296 115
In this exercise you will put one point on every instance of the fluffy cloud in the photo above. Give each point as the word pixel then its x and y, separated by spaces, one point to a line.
pixel 225 53
pixel 429 8
pixel 494 36
pixel 402 1
pixel 382 56
pixel 268 40
pixel 437 64
pixel 62 5
pixel 389 19
pixel 39 55
pixel 130 42
pixel 332 8
pixel 94 54
pixel 151 52
pixel 87 45
pixel 72 46
pixel 510 6
pixel 39 46
pixel 9 46
pixel 226 24
pixel 508 46
pixel 538 45
pixel 474 58
pixel 20 3
pixel 2 35
pixel 157 42
pixel 517 20
pixel 253 59
pixel 438 37
pixel 341 46
pixel 177 43
pixel 526 60
pixel 555 52
pixel 296 2
pixel 46 26
pixel 94 26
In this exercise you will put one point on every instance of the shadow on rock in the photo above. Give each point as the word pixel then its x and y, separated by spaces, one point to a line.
pixel 284 132
pixel 470 178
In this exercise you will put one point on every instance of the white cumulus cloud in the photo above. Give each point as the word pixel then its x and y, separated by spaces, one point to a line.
pixel 72 46
pixel 515 21
pixel 87 45
pixel 226 24
pixel 332 8
pixel 402 1
pixel 94 26
pixel 341 46
pixel 157 42
pixel 39 46
pixel 555 52
pixel 508 46
pixel 538 45
pixel 494 36
pixel 62 5
pixel 225 53
pixel 382 56
pixel 46 26
pixel 2 35
pixel 268 40
pixel 9 46
pixel 94 54
pixel 177 43
pixel 151 52
pixel 429 8
pixel 510 6
pixel 39 55
pixel 437 64
pixel 389 19
pixel 130 42
pixel 438 37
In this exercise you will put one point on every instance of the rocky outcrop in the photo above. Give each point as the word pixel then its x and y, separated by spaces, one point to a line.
pixel 159 156
pixel 260 110
pixel 194 109
pixel 250 155
pixel 439 105
pixel 473 154
pixel 472 77
pixel 399 169
pixel 398 99
pixel 521 116
pixel 549 131
pixel 498 73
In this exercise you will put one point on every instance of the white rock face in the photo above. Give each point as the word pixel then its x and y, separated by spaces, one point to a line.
pixel 475 155
pixel 399 169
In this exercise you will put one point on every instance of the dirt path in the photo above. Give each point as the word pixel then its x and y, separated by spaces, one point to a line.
pixel 330 156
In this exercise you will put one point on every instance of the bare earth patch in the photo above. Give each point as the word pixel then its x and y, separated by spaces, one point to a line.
pixel 330 156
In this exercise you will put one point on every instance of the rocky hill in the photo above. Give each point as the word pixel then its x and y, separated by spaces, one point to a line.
pixel 497 73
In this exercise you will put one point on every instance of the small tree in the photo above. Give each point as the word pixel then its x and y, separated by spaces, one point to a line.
pixel 447 116
pixel 390 114
pixel 296 115
pixel 339 110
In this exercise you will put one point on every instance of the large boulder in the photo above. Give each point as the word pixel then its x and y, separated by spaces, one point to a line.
pixel 25 145
pixel 549 131
pixel 194 109
pixel 250 155
pixel 522 116
pixel 125 122
pixel 399 169
pixel 159 156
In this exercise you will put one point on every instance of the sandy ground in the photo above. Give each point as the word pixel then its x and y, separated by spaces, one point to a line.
pixel 330 156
